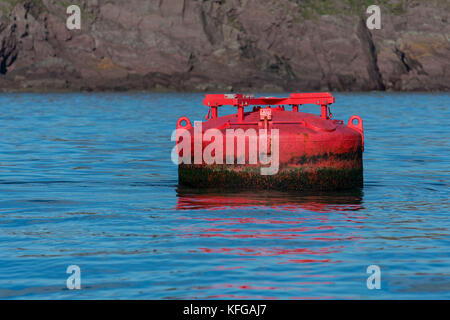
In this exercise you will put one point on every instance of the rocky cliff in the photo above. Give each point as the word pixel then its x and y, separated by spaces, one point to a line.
pixel 225 45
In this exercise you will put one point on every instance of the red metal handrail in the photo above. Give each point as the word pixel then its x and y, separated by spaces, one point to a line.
pixel 295 99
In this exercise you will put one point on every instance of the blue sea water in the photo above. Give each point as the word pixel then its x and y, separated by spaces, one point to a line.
pixel 87 180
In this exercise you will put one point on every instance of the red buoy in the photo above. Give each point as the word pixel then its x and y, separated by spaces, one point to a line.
pixel 269 146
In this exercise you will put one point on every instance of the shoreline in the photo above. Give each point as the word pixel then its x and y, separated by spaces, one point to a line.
pixel 169 91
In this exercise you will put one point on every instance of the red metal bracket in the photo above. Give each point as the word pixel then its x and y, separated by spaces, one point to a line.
pixel 240 101
pixel 184 123
pixel 358 127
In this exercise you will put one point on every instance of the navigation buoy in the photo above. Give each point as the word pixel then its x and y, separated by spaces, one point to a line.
pixel 270 147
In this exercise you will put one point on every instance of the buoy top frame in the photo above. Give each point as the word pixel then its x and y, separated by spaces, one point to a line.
pixel 323 99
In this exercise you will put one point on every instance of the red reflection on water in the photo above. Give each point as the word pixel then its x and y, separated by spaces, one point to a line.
pixel 287 234
pixel 324 223
pixel 193 199
pixel 308 261
pixel 269 251
pixel 318 226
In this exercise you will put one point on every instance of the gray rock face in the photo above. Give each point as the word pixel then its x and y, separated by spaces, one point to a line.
pixel 224 45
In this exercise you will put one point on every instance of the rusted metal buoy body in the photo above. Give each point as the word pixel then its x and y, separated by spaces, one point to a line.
pixel 314 152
